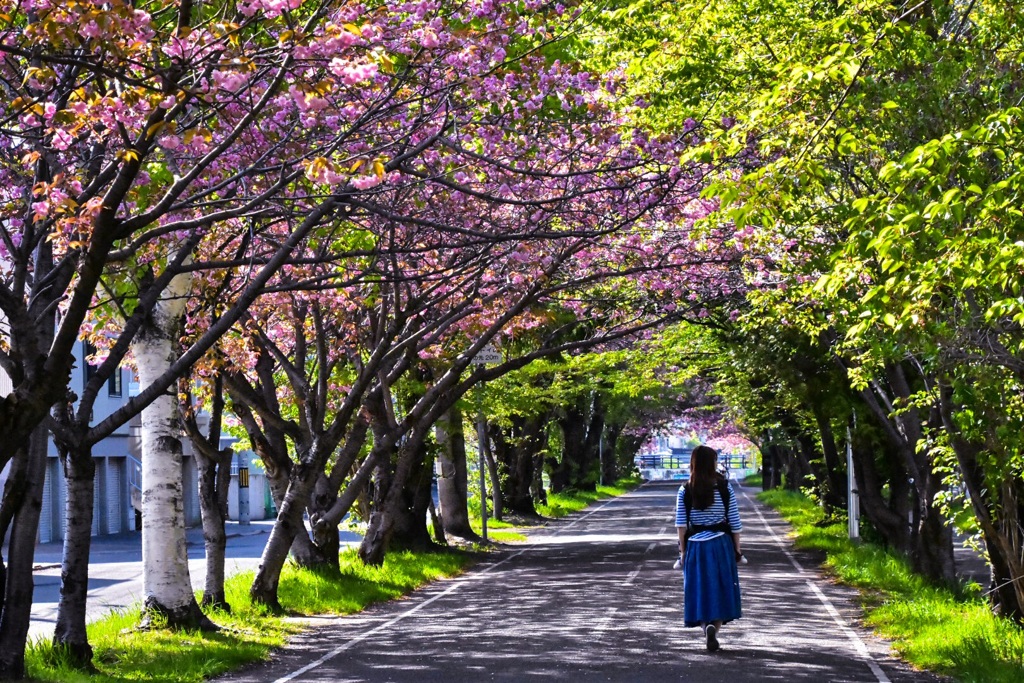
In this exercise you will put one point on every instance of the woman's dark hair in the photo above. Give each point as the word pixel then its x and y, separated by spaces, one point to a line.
pixel 703 476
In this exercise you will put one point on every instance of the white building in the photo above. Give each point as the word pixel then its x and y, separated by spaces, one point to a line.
pixel 118 469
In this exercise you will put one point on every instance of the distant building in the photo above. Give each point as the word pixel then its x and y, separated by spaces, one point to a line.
pixel 118 487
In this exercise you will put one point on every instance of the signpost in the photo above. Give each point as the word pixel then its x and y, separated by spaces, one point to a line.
pixel 852 498
pixel 488 355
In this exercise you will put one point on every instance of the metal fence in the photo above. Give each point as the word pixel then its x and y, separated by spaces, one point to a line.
pixel 668 461
pixel 673 461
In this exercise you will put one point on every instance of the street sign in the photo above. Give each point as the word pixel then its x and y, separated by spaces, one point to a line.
pixel 487 356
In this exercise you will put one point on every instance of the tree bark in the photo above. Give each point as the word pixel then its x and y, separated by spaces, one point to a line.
pixel 887 515
pixel 391 511
pixel 997 507
pixel 517 452
pixel 453 480
pixel 214 480
pixel 589 470
pixel 904 430
pixel 379 522
pixel 772 467
pixel 834 494
pixel 167 586
pixel 330 504
pixel 565 470
pixel 70 633
pixel 806 456
pixel 289 525
pixel 325 547
pixel 214 465
pixel 610 464
pixel 388 494
pixel 410 508
pixel 23 497
pixel 497 500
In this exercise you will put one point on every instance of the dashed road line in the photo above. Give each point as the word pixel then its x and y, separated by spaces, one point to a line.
pixel 631 576
pixel 456 584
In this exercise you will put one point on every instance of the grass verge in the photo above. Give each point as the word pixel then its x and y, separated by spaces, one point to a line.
pixel 249 633
pixel 950 632
pixel 562 504
pixel 558 505
pixel 753 480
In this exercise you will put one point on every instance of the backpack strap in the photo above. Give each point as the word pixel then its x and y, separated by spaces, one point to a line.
pixel 723 489
pixel 686 503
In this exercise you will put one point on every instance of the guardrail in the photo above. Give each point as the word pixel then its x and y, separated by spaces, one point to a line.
pixel 672 461
pixel 660 461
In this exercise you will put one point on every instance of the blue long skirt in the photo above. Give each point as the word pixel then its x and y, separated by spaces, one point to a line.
pixel 711 583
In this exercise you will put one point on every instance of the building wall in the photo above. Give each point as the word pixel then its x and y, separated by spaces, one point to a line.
pixel 260 504
pixel 116 458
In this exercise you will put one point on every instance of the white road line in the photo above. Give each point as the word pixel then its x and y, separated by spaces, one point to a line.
pixel 631 576
pixel 854 638
pixel 661 532
pixel 580 519
pixel 851 635
pixel 650 548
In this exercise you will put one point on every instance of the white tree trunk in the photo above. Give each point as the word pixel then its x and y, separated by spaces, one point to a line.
pixel 167 586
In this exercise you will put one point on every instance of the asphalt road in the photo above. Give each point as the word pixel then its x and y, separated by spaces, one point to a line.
pixel 594 598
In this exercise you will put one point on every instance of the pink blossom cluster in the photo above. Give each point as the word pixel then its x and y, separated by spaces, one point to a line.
pixel 481 188
pixel 270 8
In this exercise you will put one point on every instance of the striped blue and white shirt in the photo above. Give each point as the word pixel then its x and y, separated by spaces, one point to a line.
pixel 715 514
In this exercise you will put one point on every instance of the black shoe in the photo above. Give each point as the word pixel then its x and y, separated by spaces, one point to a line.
pixel 711 632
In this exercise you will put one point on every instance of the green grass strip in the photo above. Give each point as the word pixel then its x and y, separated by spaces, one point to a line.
pixel 949 632
pixel 558 505
pixel 568 502
pixel 249 633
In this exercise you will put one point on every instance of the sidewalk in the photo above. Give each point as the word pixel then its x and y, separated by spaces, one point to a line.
pixel 130 543
pixel 115 569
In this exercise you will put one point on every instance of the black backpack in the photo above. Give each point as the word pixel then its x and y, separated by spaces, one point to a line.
pixel 723 489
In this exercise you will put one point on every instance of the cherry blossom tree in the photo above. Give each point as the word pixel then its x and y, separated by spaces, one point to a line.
pixel 145 154
pixel 130 144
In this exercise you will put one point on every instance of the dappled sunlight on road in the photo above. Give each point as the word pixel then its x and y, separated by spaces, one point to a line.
pixel 604 540
pixel 596 598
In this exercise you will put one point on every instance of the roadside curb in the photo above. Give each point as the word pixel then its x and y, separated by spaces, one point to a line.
pixel 41 567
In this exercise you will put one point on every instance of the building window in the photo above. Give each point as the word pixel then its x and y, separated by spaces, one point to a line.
pixel 114 384
pixel 88 350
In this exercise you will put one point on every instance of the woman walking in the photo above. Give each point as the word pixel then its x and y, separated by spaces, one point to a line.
pixel 708 522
